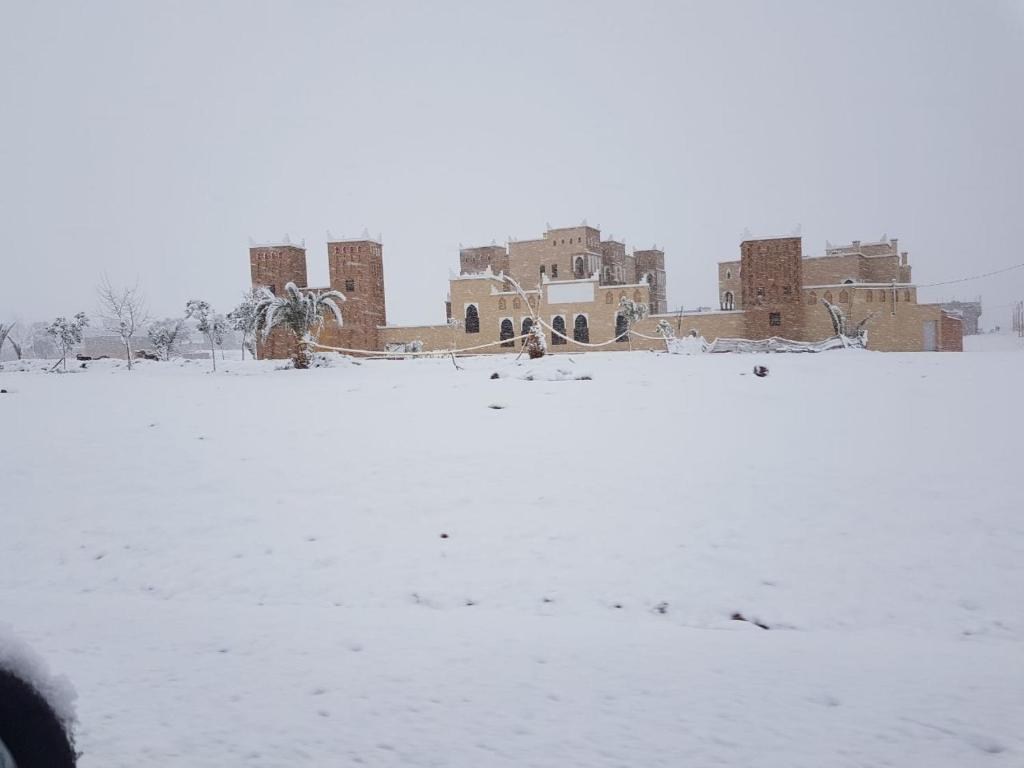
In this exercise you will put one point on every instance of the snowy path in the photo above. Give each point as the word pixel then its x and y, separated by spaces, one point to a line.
pixel 248 568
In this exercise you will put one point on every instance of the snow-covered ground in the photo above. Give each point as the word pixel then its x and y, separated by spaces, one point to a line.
pixel 374 565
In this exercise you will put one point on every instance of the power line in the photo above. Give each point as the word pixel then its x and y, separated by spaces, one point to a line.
pixel 974 277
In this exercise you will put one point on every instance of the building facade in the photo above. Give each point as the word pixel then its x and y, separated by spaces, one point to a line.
pixel 575 281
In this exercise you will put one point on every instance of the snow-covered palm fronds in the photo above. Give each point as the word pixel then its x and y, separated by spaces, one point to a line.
pixel 300 312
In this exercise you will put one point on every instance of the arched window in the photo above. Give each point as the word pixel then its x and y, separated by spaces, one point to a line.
pixel 527 325
pixel 728 300
pixel 580 268
pixel 472 319
pixel 812 298
pixel 516 303
pixel 728 274
pixel 507 332
pixel 870 296
pixel 621 328
pixel 558 323
pixel 580 330
pixel 847 281
pixel 608 298
pixel 844 296
pixel 501 304
pixel 906 295
pixel 828 296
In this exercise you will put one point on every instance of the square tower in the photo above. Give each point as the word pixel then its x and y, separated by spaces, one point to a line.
pixel 650 264
pixel 356 268
pixel 273 266
pixel 771 278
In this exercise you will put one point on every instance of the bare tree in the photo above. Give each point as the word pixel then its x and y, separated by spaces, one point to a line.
pixel 123 311
pixel 5 331
pixel 22 338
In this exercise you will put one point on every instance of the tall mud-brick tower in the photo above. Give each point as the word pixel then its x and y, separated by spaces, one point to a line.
pixel 357 270
pixel 771 276
pixel 651 263
pixel 272 266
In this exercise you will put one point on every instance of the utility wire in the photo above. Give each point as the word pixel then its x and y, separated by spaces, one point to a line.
pixel 973 277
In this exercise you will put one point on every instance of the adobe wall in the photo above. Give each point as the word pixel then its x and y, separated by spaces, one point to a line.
pixel 433 337
pixel 893 326
pixel 555 252
pixel 273 266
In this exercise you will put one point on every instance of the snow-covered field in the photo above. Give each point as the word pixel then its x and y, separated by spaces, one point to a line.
pixel 372 565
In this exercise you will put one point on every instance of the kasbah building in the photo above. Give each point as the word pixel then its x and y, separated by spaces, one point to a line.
pixel 574 280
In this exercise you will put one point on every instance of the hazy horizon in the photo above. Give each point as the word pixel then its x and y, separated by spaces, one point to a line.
pixel 152 141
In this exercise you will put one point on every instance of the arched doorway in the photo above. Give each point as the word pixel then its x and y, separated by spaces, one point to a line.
pixel 580 268
pixel 507 332
pixel 472 319
pixel 580 329
pixel 728 301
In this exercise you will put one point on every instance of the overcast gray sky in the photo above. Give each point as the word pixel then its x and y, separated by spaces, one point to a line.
pixel 152 139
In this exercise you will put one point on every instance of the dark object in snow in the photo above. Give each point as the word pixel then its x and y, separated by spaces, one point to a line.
pixel 470 602
pixel 145 354
pixel 740 617
pixel 661 608
pixel 496 406
pixel 761 371
pixel 3 391
pixel 495 375
pixel 83 365
pixel 30 731
pixel 617 605
pixel 444 535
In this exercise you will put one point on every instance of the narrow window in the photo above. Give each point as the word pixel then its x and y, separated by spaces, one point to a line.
pixel 727 300
pixel 580 267
pixel 542 269
pixel 501 304
pixel 350 286
pixel 621 328
pixel 775 318
pixel 554 270
pixel 608 298
pixel 516 303
pixel 472 319
pixel 870 296
pixel 812 298
pixel 559 325
pixel 580 330
pixel 828 296
pixel 906 295
pixel 506 334
pixel 728 274
pixel 844 296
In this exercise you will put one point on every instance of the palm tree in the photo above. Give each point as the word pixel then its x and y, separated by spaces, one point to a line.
pixel 300 312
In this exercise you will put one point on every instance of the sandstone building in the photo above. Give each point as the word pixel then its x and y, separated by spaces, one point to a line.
pixel 574 280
